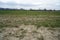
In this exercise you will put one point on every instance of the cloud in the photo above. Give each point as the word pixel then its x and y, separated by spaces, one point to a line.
pixel 35 4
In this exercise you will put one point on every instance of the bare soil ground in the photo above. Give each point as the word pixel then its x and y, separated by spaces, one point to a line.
pixel 27 28
pixel 29 32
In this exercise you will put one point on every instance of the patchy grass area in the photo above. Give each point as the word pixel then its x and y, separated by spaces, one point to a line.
pixel 14 18
pixel 29 25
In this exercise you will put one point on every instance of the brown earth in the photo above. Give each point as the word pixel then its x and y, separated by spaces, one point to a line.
pixel 29 32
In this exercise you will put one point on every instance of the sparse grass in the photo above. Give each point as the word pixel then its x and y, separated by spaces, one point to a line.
pixel 42 18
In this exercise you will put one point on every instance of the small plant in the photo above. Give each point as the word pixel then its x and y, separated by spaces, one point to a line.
pixel 41 38
pixel 17 26
pixel 0 31
pixel 35 32
pixel 21 36
pixel 21 29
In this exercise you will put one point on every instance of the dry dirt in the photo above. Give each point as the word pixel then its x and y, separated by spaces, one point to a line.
pixel 29 32
pixel 16 30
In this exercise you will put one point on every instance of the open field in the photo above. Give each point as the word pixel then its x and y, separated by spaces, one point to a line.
pixel 29 25
pixel 38 18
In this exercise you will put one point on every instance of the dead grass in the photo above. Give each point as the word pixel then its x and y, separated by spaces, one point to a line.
pixel 46 21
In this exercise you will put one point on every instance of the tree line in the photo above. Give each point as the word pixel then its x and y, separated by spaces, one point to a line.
pixel 29 9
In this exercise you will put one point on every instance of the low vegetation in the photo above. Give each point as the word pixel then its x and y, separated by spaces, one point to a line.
pixel 13 18
pixel 29 25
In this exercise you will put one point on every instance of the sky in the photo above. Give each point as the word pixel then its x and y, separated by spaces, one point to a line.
pixel 31 4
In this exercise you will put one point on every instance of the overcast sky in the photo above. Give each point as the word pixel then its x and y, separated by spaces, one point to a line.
pixel 27 4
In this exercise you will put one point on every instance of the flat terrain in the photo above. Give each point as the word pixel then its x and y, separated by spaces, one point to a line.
pixel 29 25
pixel 38 18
